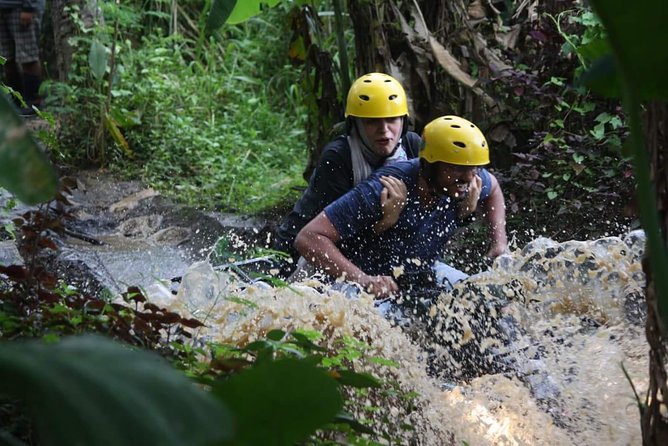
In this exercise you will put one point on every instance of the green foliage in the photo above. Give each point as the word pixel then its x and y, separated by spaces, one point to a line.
pixel 588 40
pixel 279 402
pixel 633 35
pixel 220 11
pixel 83 103
pixel 209 134
pixel 243 10
pixel 9 226
pixel 571 160
pixel 90 390
pixel 192 112
pixel 284 386
pixel 24 169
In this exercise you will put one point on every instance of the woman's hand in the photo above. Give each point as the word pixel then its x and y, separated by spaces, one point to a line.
pixel 469 203
pixel 392 201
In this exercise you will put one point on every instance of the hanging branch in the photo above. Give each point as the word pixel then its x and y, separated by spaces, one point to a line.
pixel 447 61
pixel 343 52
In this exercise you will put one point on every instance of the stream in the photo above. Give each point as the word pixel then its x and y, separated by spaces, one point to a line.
pixel 575 311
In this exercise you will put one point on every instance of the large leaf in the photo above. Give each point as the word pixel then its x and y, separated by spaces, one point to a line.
pixel 220 11
pixel 97 59
pixel 602 77
pixel 246 9
pixel 280 403
pixel 638 36
pixel 92 391
pixel 25 170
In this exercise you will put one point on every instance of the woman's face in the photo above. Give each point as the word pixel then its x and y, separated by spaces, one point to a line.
pixel 383 133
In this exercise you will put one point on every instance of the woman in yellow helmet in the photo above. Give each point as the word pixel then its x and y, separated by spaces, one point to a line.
pixel 376 134
pixel 445 186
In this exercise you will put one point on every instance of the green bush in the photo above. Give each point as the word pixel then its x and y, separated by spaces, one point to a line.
pixel 187 113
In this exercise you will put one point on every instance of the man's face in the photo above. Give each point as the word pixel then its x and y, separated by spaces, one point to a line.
pixel 383 133
pixel 452 180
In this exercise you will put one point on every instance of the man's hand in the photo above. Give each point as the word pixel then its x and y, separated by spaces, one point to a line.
pixel 379 286
pixel 469 203
pixel 496 250
pixel 392 201
pixel 25 18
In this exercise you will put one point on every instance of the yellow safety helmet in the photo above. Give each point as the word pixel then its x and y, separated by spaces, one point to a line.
pixel 454 140
pixel 376 95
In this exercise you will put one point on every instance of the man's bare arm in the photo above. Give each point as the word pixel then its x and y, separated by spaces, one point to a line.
pixel 316 242
pixel 494 212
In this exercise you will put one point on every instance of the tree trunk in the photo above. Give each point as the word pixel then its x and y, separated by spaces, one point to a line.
pixel 65 27
pixel 385 41
pixel 654 421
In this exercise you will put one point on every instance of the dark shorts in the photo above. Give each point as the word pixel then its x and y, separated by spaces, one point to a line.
pixel 18 43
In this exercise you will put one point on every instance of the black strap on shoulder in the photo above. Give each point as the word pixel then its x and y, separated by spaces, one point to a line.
pixel 413 144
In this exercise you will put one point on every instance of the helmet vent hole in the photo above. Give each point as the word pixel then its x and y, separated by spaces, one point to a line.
pixel 367 81
pixel 459 144
pixel 364 97
pixel 455 126
pixel 447 119
pixel 387 80
pixel 392 97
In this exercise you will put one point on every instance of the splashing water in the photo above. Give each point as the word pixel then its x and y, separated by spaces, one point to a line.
pixel 530 352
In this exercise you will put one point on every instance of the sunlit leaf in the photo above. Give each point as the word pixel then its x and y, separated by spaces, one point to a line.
pixel 603 117
pixel 297 49
pixel 97 59
pixel 246 9
pixel 92 391
pixel 25 170
pixel 598 132
pixel 280 403
pixel 124 118
pixel 117 135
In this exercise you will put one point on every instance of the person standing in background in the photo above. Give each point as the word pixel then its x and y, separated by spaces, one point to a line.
pixel 19 45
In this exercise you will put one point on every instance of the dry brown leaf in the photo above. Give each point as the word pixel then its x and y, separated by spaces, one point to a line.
pixel 508 39
pixel 449 63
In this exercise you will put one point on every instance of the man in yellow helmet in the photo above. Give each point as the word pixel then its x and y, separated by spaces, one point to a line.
pixel 445 186
pixel 376 122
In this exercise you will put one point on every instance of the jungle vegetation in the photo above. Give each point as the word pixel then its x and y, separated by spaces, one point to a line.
pixel 227 108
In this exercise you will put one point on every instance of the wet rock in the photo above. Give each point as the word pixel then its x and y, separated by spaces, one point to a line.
pixel 202 287
pixel 172 236
pixel 9 254
pixel 132 201
pixel 143 226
